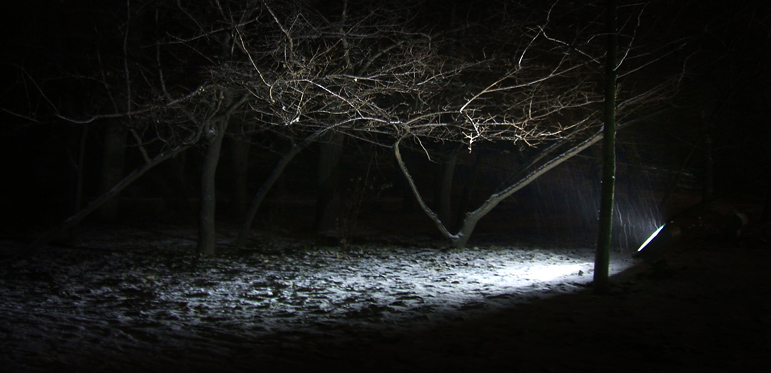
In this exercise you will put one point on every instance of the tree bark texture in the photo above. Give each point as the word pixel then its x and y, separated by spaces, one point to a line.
pixel 602 257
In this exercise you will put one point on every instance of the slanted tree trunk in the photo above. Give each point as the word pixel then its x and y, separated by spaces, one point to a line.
pixel 403 187
pixel 206 215
pixel 602 257
pixel 102 199
pixel 278 170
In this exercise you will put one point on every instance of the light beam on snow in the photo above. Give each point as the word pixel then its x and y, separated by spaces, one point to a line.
pixel 519 276
pixel 546 272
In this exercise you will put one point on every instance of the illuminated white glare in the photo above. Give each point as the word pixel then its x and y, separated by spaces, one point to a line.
pixel 651 238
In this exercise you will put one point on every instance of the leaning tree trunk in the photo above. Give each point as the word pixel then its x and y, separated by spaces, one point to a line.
pixel 602 257
pixel 278 170
pixel 206 215
pixel 102 199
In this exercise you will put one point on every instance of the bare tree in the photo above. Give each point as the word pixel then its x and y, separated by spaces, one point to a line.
pixel 374 74
pixel 362 75
pixel 547 99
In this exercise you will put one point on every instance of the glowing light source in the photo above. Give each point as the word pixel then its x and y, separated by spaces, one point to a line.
pixel 651 238
pixel 657 244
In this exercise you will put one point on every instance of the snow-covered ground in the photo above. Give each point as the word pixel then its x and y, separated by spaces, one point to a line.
pixel 64 305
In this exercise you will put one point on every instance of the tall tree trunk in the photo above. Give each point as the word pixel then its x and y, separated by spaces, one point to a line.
pixel 113 163
pixel 602 257
pixel 206 216
pixel 215 131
